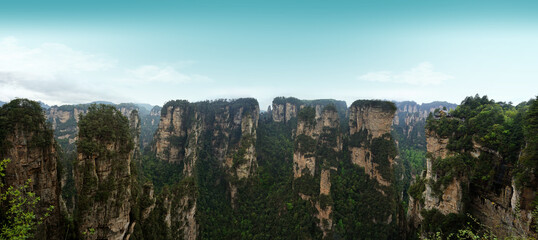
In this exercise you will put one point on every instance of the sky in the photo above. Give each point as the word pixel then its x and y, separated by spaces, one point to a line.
pixel 66 52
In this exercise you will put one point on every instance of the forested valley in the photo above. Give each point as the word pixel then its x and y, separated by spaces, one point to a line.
pixel 303 169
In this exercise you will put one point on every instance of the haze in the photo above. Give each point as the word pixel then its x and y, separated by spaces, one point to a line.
pixel 64 52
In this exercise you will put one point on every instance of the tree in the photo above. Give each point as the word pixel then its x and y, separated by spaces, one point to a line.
pixel 17 205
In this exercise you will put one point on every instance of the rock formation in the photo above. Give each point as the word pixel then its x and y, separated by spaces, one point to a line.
pixel 371 121
pixel 318 145
pixel 222 130
pixel 231 127
pixel 28 141
pixel 103 175
pixel 501 207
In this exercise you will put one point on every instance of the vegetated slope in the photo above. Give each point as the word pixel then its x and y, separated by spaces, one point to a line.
pixel 302 170
pixel 481 160
pixel 408 129
pixel 286 175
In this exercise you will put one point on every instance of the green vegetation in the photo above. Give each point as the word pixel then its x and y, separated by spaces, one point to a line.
pixel 491 143
pixel 361 211
pixel 290 100
pixel 25 115
pixel 18 217
pixel 496 126
pixel 307 115
pixel 160 173
pixel 104 138
pixel 417 188
pixel 444 225
pixel 101 126
pixel 528 164
pixel 326 104
pixel 384 105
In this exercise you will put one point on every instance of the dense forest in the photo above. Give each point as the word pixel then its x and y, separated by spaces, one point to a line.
pixel 304 169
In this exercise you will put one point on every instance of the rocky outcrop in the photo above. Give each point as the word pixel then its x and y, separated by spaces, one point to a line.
pixel 180 209
pixel 102 174
pixel 28 142
pixel 149 124
pixel 437 147
pixel 65 118
pixel 134 126
pixel 504 211
pixel 449 199
pixel 370 120
pixel 285 111
pixel 172 131
pixel 224 131
pixel 410 119
pixel 499 207
pixel 318 144
pixel 372 116
pixel 64 121
pixel 228 127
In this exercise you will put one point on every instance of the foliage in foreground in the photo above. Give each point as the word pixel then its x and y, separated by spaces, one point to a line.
pixel 17 204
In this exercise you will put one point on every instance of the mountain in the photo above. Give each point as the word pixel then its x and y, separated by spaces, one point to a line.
pixel 145 106
pixel 303 169
pixel 479 163
pixel 102 102
pixel 26 140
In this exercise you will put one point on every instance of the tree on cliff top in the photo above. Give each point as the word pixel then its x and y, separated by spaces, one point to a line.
pixel 103 124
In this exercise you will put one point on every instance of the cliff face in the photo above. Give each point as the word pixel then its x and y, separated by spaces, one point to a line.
pixel 466 175
pixel 286 109
pixel 103 175
pixel 64 120
pixel 29 143
pixel 221 131
pixel 446 200
pixel 369 120
pixel 229 128
pixel 410 119
pixel 318 145
pixel 450 200
pixel 134 127
pixel 149 124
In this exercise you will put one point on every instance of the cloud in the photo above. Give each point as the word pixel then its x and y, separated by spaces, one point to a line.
pixel 58 74
pixel 50 72
pixel 48 60
pixel 162 74
pixel 422 75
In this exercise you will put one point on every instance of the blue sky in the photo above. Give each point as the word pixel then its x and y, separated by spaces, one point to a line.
pixel 154 51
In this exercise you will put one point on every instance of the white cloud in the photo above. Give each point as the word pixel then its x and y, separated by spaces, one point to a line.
pixel 422 75
pixel 58 74
pixel 48 60
pixel 162 74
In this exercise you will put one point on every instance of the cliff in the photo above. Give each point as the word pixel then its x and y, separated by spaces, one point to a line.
pixel 369 126
pixel 474 169
pixel 410 119
pixel 221 134
pixel 317 148
pixel 28 141
pixel 286 109
pixel 103 174
pixel 228 127
pixel 65 118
